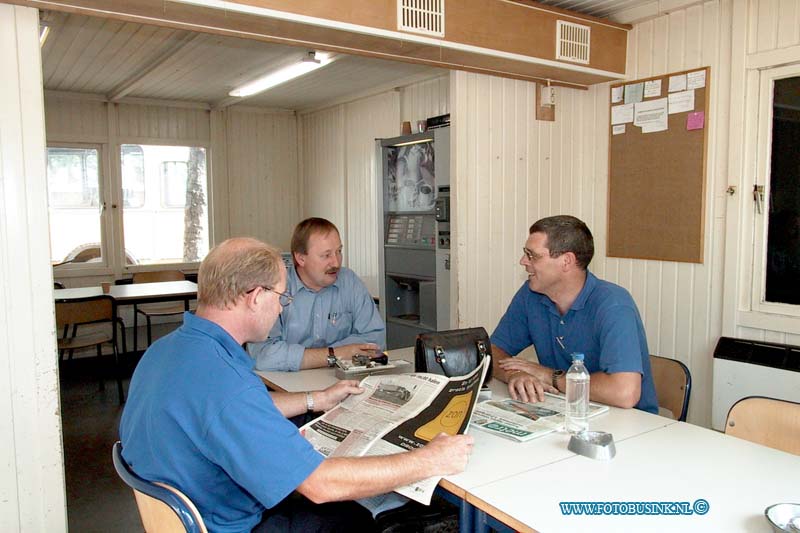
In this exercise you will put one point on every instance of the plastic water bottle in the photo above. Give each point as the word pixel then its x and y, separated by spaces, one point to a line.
pixel 577 396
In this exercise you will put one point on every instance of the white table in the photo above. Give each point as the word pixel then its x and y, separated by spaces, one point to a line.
pixel 675 463
pixel 494 458
pixel 135 293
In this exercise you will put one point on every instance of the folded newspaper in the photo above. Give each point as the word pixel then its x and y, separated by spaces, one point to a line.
pixel 523 421
pixel 397 413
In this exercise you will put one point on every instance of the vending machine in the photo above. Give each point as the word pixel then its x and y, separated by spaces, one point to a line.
pixel 416 263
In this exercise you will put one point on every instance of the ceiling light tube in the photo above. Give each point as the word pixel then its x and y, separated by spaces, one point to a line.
pixel 306 65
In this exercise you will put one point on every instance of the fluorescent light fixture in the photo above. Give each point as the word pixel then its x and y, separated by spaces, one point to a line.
pixel 310 63
pixel 418 141
pixel 44 31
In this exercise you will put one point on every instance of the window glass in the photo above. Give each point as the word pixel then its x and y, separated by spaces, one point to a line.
pixel 132 158
pixel 783 233
pixel 170 222
pixel 73 184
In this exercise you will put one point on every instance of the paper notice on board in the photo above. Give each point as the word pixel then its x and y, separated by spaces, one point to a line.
pixel 622 114
pixel 651 116
pixel 695 121
pixel 633 93
pixel 652 88
pixel 616 94
pixel 681 102
pixel 618 129
pixel 677 83
pixel 696 79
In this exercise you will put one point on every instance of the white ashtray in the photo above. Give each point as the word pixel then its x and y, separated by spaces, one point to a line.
pixel 784 517
pixel 594 445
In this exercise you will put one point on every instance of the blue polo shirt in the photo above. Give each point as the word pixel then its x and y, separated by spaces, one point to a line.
pixel 603 323
pixel 199 419
pixel 339 314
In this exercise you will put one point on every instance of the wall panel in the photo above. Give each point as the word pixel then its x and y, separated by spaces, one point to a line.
pixel 70 119
pixel 155 122
pixel 323 165
pixel 263 187
pixel 566 172
pixel 425 99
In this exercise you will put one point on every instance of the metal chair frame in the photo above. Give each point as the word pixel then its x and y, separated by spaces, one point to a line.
pixel 169 496
pixel 656 360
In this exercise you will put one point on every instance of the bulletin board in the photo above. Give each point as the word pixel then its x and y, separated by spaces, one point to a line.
pixel 658 131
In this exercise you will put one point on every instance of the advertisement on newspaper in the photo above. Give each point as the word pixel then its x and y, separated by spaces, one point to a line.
pixel 397 413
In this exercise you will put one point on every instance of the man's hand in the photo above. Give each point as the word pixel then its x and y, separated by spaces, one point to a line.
pixel 329 398
pixel 349 350
pixel 447 454
pixel 512 364
pixel 527 388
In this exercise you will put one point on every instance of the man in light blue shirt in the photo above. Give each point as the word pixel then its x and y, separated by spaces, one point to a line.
pixel 333 314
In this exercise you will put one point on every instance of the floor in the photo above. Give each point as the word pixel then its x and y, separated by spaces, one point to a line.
pixel 97 500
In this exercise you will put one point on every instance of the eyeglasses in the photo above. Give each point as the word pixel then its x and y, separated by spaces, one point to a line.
pixel 531 255
pixel 284 298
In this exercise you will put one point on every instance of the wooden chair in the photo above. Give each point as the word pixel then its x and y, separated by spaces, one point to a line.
pixel 159 309
pixel 162 508
pixel 673 385
pixel 768 421
pixel 96 310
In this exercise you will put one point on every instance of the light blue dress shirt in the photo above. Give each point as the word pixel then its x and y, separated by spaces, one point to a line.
pixel 340 314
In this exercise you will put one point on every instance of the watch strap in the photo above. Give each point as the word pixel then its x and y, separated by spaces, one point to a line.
pixel 309 402
pixel 557 374
pixel 331 357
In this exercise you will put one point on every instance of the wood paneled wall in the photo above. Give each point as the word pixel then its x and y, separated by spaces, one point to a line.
pixel 511 170
pixel 263 187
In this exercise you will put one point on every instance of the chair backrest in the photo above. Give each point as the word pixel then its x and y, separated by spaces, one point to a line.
pixel 85 310
pixel 161 275
pixel 673 385
pixel 163 509
pixel 768 421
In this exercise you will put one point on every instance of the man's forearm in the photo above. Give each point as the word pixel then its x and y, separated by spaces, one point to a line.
pixel 314 358
pixel 620 389
pixel 348 478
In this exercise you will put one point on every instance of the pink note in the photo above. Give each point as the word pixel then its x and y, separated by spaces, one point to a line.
pixel 695 121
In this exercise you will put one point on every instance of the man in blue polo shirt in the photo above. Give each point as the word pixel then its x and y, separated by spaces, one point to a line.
pixel 333 314
pixel 563 308
pixel 199 419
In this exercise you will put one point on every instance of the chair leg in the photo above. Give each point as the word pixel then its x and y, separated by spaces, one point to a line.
pixel 135 329
pixel 149 332
pixel 118 374
pixel 100 371
pixel 74 333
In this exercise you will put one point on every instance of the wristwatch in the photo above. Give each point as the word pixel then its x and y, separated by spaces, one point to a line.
pixel 309 402
pixel 557 374
pixel 331 357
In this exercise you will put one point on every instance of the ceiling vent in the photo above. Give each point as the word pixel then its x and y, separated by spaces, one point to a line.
pixel 572 42
pixel 421 16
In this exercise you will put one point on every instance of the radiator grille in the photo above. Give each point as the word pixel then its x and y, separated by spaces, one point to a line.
pixel 421 16
pixel 572 42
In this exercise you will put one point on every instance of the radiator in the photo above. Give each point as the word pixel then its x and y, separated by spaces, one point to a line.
pixel 745 368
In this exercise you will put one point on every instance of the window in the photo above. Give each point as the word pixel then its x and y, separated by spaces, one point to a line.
pixel 73 186
pixel 776 267
pixel 166 219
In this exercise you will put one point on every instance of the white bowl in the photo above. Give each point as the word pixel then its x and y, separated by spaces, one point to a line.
pixel 784 517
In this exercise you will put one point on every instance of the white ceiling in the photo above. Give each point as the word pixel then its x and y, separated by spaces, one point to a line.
pixel 125 59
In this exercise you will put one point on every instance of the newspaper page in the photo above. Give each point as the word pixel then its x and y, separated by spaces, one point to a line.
pixel 398 413
pixel 523 421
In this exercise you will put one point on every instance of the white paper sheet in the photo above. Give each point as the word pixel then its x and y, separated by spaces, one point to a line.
pixel 696 79
pixel 677 83
pixel 651 115
pixel 619 129
pixel 652 88
pixel 622 114
pixel 633 93
pixel 681 102
pixel 616 94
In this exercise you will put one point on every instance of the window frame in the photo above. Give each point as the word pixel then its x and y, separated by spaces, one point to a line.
pixel 66 270
pixel 758 281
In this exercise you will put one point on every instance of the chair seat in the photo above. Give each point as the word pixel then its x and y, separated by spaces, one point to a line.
pixel 84 341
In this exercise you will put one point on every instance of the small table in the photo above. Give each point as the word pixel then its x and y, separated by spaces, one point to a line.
pixel 136 293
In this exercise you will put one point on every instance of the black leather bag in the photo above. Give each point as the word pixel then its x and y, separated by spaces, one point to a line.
pixel 452 353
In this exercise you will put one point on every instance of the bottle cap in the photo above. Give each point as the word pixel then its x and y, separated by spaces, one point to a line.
pixel 577 356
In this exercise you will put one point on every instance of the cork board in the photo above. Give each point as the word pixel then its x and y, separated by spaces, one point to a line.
pixel 656 179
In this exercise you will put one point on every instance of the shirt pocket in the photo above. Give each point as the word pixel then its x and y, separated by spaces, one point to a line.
pixel 339 326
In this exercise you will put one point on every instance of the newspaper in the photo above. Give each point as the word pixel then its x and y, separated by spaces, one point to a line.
pixel 397 413
pixel 523 421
